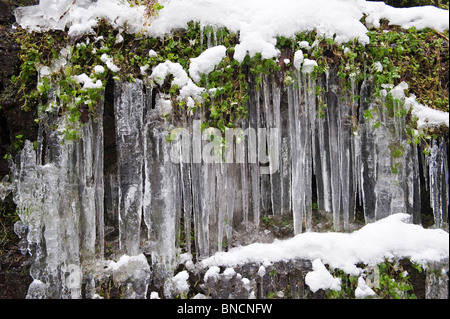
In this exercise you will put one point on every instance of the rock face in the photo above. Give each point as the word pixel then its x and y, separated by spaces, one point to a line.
pixel 286 280
pixel 12 118
pixel 279 280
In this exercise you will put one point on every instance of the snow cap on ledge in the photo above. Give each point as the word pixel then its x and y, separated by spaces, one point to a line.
pixel 393 236
pixel 426 116
pixel 259 22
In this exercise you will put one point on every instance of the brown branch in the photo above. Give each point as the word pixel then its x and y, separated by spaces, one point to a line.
pixel 445 37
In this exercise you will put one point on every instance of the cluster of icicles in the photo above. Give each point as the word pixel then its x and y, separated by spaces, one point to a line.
pixel 68 201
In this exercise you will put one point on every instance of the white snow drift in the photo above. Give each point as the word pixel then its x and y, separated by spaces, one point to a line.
pixel 393 236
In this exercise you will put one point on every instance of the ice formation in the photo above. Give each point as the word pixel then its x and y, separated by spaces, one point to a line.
pixel 217 201
pixel 65 197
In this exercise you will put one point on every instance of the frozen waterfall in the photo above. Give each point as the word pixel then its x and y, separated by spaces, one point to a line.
pixel 304 148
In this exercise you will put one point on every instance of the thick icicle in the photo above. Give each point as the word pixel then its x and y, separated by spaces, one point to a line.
pixel 301 149
pixel 438 178
pixel 253 160
pixel 368 154
pixel 128 111
pixel 163 194
pixel 296 178
pixel 333 118
pixel 271 98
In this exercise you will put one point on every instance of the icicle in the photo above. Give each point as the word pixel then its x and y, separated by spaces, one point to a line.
pixel 243 146
pixel 308 124
pixel 368 155
pixel 221 197
pixel 254 166
pixel 97 131
pixel 128 111
pixel 411 184
pixel 271 96
pixel 162 195
pixel 87 193
pixel 355 153
pixel 301 152
pixel 333 116
pixel 230 200
pixel 187 202
pixel 345 190
pixel 438 179
pixel 62 205
pixel 322 158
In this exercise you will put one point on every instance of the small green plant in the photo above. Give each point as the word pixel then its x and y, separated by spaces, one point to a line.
pixel 271 295
pixel 267 221
pixel 394 282
pixel 391 282
pixel 348 285
pixel 18 141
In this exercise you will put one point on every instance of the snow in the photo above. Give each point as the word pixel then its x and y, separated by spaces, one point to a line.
pixel 162 70
pixel 261 271
pixel 419 17
pixel 393 236
pixel 188 90
pixel 126 260
pixel 180 281
pixel 308 66
pixel 298 59
pixel 109 62
pixel 177 285
pixel 212 272
pixel 98 69
pixel 154 295
pixel 44 71
pixel 144 69
pixel 304 45
pixel 88 83
pixel 320 278
pixel 206 62
pixel 362 290
pixel 259 22
pixel 229 272
pixel 427 117
pixel 378 66
pixel 135 267
pixel 165 106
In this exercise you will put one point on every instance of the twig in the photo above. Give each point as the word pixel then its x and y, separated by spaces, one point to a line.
pixel 446 38
pixel 62 16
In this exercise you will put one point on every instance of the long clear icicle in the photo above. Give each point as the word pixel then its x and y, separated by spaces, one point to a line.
pixel 128 111
pixel 438 178
pixel 162 193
